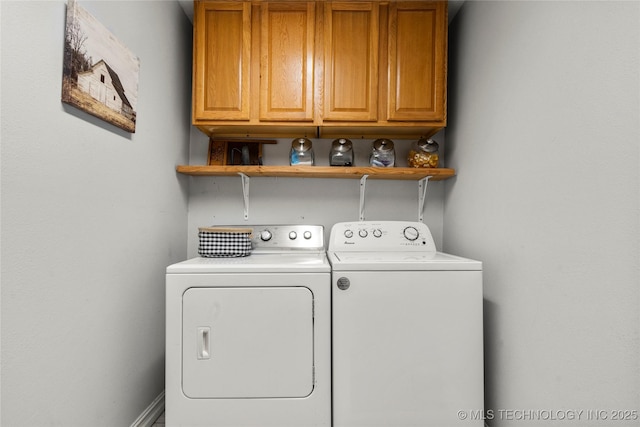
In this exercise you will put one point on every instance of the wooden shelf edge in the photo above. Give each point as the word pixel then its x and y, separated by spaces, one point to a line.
pixel 436 174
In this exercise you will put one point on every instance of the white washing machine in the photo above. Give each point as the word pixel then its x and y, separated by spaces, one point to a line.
pixel 248 340
pixel 407 329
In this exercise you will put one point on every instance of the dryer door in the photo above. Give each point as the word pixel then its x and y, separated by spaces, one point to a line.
pixel 247 342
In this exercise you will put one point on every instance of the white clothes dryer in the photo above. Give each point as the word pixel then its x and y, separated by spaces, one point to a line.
pixel 406 331
pixel 248 339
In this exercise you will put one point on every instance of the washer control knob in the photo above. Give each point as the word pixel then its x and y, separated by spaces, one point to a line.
pixel 265 235
pixel 293 235
pixel 343 283
pixel 377 233
pixel 363 233
pixel 307 235
pixel 348 234
pixel 411 233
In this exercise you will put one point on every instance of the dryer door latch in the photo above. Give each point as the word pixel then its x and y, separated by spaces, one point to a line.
pixel 204 343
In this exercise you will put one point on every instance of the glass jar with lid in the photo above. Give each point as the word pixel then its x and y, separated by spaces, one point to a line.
pixel 383 154
pixel 301 152
pixel 341 152
pixel 424 154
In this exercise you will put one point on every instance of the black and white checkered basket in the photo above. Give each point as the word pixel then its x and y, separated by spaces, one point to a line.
pixel 217 242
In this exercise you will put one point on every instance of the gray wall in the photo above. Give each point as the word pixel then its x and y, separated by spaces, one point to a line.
pixel 91 216
pixel 544 131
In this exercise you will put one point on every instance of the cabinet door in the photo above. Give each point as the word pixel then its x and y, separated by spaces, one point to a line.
pixel 417 61
pixel 351 44
pixel 287 61
pixel 222 51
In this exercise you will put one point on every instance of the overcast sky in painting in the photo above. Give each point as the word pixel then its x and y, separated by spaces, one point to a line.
pixel 102 44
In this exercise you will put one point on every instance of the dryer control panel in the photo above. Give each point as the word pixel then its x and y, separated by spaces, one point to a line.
pixel 285 238
pixel 381 236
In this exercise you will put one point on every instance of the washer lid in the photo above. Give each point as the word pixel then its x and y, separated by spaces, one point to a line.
pixel 255 263
pixel 400 261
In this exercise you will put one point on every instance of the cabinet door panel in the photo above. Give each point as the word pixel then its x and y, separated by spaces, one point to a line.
pixel 287 61
pixel 351 61
pixel 417 55
pixel 222 61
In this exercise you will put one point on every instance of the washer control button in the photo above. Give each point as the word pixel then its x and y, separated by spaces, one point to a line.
pixel 293 235
pixel 348 233
pixel 377 233
pixel 363 233
pixel 307 235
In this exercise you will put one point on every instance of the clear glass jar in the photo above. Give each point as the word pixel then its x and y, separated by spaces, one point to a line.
pixel 301 152
pixel 383 154
pixel 423 154
pixel 341 152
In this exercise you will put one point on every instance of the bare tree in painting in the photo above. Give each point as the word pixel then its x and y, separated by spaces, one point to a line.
pixel 75 59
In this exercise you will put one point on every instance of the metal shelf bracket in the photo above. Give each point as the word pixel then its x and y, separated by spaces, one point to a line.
pixel 363 184
pixel 245 193
pixel 422 196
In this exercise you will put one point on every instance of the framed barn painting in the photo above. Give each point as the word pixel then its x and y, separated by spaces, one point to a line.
pixel 100 75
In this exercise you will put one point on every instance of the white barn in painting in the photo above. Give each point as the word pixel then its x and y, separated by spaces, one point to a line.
pixel 104 85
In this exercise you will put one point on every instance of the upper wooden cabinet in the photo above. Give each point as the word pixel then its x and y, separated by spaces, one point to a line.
pixel 290 68
pixel 253 64
pixel 287 50
pixel 417 61
pixel 351 51
pixel 222 58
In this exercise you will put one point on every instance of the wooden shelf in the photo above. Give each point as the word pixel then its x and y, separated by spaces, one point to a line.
pixel 415 174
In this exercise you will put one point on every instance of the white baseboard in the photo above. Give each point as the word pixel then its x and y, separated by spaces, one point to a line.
pixel 151 414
